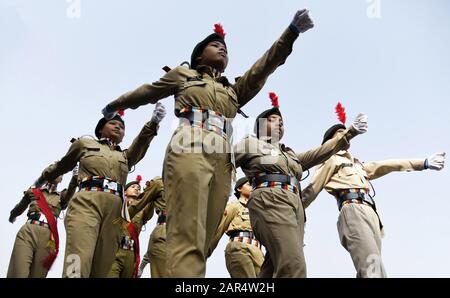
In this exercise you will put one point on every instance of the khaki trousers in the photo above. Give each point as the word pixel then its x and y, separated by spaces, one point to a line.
pixel 277 219
pixel 30 249
pixel 243 260
pixel 93 228
pixel 359 232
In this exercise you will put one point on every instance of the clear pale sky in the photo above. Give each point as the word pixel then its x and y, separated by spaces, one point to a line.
pixel 59 68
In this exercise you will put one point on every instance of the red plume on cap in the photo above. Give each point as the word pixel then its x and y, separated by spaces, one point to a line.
pixel 274 98
pixel 340 111
pixel 219 30
pixel 139 179
pixel 121 113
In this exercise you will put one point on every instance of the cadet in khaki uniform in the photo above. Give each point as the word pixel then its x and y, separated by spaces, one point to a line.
pixel 197 166
pixel 243 255
pixel 156 253
pixel 276 211
pixel 127 257
pixel 31 247
pixel 347 179
pixel 92 228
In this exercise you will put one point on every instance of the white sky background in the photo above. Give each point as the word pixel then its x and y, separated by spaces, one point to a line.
pixel 57 72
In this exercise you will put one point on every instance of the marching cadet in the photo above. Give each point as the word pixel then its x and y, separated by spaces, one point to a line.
pixel 348 180
pixel 156 253
pixel 127 259
pixel 37 242
pixel 243 254
pixel 276 211
pixel 92 228
pixel 197 165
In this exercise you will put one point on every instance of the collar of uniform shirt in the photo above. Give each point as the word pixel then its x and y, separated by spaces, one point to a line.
pixel 108 141
pixel 281 146
pixel 214 73
pixel 243 201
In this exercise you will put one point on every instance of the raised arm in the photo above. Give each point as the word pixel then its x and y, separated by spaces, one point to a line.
pixel 140 144
pixel 320 154
pixel 150 194
pixel 321 177
pixel 254 79
pixel 66 164
pixel 340 142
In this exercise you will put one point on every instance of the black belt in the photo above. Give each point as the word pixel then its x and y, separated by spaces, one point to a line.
pixel 249 234
pixel 355 196
pixel 162 218
pixel 359 196
pixel 274 178
pixel 101 183
pixel 34 215
pixel 191 117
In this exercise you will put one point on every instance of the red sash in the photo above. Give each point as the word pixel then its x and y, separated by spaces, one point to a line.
pixel 135 236
pixel 51 220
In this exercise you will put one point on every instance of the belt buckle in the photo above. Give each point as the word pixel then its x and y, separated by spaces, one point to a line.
pixel 110 185
pixel 42 218
pixel 293 181
pixel 215 120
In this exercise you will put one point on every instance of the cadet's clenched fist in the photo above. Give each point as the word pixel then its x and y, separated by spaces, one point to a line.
pixel 301 21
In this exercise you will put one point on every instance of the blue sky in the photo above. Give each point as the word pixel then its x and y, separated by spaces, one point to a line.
pixel 57 72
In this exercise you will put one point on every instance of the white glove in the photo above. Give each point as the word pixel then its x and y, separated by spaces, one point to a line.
pixel 360 123
pixel 435 162
pixel 159 113
pixel 76 171
pixel 108 112
pixel 301 21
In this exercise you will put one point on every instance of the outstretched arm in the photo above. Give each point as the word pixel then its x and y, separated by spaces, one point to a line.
pixel 380 168
pixel 254 79
pixel 147 93
pixel 66 164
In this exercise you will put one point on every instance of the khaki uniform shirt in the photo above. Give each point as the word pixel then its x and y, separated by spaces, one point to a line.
pixel 152 198
pixel 97 158
pixel 56 201
pixel 202 88
pixel 235 218
pixel 257 156
pixel 342 171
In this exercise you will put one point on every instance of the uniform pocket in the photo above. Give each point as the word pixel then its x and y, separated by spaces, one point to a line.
pixel 244 215
pixel 192 84
pixel 93 160
pixel 346 171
